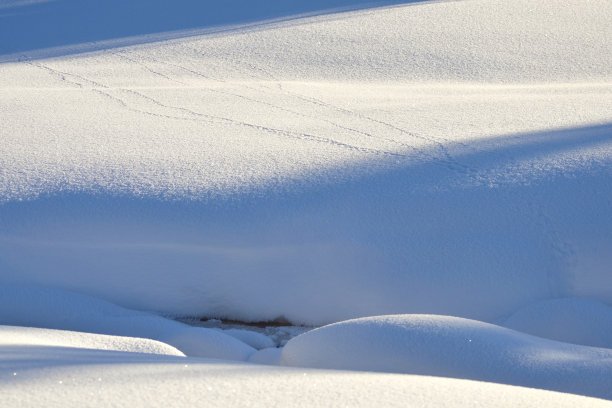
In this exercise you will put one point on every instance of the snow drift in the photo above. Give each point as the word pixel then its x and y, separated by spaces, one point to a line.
pixel 102 377
pixel 571 320
pixel 28 337
pixel 459 168
pixel 48 308
pixel 438 157
pixel 453 347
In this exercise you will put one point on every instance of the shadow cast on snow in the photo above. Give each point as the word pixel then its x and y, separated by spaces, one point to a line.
pixel 58 25
pixel 26 357
pixel 501 232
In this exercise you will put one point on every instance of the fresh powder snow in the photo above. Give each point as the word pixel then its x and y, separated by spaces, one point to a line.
pixel 426 182
pixel 453 347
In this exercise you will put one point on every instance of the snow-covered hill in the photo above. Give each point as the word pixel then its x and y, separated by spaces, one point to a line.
pixel 307 163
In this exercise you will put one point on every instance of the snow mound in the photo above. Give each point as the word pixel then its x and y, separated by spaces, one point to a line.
pixel 29 336
pixel 571 320
pixel 268 356
pixel 440 157
pixel 453 347
pixel 254 339
pixel 199 342
pixel 58 309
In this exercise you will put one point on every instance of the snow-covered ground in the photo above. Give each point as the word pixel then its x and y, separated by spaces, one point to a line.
pixel 70 376
pixel 307 163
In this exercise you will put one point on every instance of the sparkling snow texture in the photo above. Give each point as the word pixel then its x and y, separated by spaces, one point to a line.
pixel 453 347
pixel 432 157
pixel 439 157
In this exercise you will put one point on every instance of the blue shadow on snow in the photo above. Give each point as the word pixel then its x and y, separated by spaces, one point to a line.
pixel 40 24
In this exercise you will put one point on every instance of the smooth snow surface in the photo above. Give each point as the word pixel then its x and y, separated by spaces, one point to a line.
pixel 30 337
pixel 578 321
pixel 438 157
pixel 268 356
pixel 453 347
pixel 253 339
pixel 33 24
pixel 53 377
pixel 299 162
pixel 45 307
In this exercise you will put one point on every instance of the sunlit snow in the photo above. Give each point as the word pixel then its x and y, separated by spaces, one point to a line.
pixel 196 195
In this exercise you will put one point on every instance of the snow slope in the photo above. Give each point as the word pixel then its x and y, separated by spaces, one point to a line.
pixel 44 307
pixel 27 337
pixel 65 378
pixel 453 347
pixel 415 167
pixel 435 157
pixel 571 320
pixel 27 25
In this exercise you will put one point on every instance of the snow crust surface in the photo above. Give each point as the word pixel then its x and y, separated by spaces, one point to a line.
pixel 435 157
pixel 142 381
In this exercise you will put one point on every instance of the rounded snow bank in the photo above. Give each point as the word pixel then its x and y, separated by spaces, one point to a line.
pixel 59 309
pixel 201 342
pixel 30 336
pixel 572 320
pixel 453 347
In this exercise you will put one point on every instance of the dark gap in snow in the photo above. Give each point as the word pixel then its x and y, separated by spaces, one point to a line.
pixel 279 330
pixel 278 322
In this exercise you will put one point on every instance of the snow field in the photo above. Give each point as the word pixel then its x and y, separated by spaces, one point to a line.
pixel 485 221
pixel 438 158
pixel 441 346
pixel 101 378
pixel 320 169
